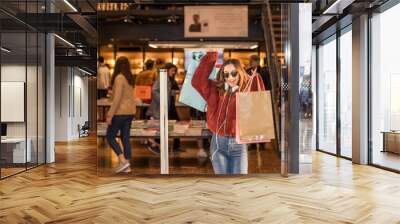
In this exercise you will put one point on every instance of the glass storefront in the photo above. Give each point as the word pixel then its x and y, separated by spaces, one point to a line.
pixel 334 102
pixel 327 96
pixel 183 144
pixel 22 78
pixel 385 89
pixel 346 93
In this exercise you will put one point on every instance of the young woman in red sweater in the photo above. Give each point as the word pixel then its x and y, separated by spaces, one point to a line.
pixel 227 157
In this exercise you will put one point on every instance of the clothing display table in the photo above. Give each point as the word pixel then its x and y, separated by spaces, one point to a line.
pixel 151 129
pixel 104 103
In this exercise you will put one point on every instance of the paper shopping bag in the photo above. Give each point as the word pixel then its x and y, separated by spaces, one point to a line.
pixel 254 118
pixel 143 92
pixel 189 95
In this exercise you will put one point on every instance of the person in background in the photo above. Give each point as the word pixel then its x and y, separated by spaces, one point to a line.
pixel 146 78
pixel 263 72
pixel 109 90
pixel 103 79
pixel 148 75
pixel 160 63
pixel 227 156
pixel 172 70
pixel 154 109
pixel 122 112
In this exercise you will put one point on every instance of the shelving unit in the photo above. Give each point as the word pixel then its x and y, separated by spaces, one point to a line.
pixel 176 56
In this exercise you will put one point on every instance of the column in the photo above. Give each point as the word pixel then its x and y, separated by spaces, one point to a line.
pixel 360 90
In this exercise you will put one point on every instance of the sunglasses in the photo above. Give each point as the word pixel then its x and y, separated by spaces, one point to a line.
pixel 232 73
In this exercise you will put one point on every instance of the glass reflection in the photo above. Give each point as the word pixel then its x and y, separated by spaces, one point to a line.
pixel 327 97
pixel 346 94
pixel 15 148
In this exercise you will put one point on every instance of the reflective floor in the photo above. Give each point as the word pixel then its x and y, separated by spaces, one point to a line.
pixel 387 159
pixel 70 191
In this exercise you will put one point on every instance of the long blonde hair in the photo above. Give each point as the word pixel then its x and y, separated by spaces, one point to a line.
pixel 243 77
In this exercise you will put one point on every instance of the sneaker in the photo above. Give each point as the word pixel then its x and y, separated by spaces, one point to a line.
pixel 202 153
pixel 127 170
pixel 154 149
pixel 121 167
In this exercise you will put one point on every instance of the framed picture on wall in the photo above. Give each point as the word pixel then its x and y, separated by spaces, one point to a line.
pixel 216 21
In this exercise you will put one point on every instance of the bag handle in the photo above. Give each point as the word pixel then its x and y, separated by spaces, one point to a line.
pixel 258 79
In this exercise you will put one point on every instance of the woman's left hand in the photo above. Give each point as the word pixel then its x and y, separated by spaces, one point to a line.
pixel 108 119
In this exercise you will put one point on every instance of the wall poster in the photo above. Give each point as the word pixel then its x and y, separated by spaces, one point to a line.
pixel 216 21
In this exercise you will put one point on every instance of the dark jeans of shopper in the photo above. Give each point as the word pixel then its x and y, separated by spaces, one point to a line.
pixel 120 123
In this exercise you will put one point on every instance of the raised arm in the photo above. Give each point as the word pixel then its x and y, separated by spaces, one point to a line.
pixel 200 79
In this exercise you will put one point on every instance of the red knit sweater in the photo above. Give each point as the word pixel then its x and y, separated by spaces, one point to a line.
pixel 221 108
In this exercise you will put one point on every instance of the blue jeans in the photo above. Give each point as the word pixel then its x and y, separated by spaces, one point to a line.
pixel 120 123
pixel 228 157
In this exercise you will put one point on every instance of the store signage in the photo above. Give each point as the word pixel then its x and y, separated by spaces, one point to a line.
pixel 216 21
pixel 112 6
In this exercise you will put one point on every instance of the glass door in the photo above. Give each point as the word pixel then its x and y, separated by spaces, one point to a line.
pixel 16 151
pixel 327 92
pixel 385 90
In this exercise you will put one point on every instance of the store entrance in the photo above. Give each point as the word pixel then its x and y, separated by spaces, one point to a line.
pixel 170 133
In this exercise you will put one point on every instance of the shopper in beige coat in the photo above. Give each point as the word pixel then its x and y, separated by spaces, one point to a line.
pixel 122 112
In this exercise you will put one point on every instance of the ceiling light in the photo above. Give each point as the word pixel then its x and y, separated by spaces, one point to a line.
pixel 254 46
pixel 65 41
pixel 5 50
pixel 153 46
pixel 338 6
pixel 204 44
pixel 70 5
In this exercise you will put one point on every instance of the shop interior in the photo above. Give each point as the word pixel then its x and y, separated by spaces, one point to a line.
pixel 153 34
